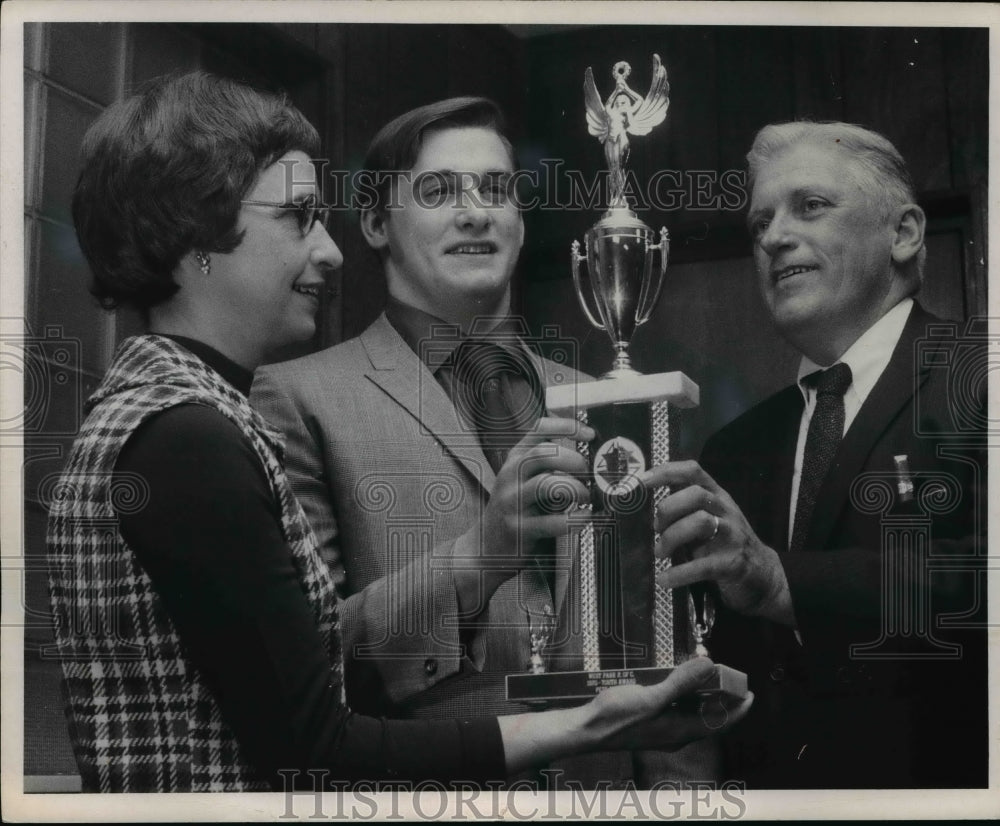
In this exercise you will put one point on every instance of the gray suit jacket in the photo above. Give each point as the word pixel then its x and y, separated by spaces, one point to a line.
pixel 394 484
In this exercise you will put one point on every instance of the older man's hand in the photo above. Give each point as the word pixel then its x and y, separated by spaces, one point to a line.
pixel 704 532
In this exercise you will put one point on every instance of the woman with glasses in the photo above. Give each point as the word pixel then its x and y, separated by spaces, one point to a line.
pixel 196 623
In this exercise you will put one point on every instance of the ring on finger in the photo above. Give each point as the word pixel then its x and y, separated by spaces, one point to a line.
pixel 715 531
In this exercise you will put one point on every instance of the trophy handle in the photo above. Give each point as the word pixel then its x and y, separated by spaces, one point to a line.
pixel 651 292
pixel 576 258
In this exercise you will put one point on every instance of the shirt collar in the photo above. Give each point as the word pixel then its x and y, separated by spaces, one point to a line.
pixel 869 355
pixel 419 329
pixel 239 377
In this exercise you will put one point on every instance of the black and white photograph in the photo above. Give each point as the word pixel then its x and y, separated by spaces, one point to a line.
pixel 503 410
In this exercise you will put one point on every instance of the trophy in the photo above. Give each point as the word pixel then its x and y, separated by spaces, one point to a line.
pixel 630 631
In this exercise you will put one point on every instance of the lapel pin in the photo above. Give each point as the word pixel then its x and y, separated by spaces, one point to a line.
pixel 905 483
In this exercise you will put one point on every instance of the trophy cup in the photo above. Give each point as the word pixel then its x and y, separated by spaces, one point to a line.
pixel 630 630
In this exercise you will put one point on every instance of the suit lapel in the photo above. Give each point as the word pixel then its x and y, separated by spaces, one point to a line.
pixel 895 387
pixel 785 430
pixel 404 377
pixel 400 373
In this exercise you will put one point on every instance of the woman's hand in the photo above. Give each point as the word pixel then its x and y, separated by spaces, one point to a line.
pixel 663 716
pixel 624 717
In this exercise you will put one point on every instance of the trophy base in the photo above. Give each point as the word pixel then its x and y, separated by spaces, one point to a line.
pixel 628 388
pixel 571 687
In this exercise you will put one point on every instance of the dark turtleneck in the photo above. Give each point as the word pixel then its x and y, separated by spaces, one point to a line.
pixel 211 542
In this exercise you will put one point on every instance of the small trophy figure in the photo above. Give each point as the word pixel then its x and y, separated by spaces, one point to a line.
pixel 625 112
pixel 540 630
pixel 701 612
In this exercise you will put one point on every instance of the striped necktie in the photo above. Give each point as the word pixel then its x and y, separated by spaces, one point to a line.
pixel 826 429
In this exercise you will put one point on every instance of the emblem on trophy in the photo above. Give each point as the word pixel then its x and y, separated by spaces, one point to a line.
pixel 629 629
pixel 618 465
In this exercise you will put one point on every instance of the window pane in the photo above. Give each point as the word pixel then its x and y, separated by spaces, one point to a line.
pixel 62 297
pixel 67 119
pixel 73 48
pixel 33 96
pixel 33 45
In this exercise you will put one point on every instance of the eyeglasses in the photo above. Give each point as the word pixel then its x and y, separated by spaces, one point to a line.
pixel 307 212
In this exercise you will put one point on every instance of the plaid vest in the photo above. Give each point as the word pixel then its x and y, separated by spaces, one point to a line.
pixel 141 718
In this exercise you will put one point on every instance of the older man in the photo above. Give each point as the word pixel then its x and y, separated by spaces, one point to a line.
pixel 839 521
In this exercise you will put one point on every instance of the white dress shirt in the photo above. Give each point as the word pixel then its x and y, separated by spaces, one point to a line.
pixel 867 357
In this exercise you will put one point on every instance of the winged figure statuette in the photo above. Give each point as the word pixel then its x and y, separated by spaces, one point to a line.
pixel 625 112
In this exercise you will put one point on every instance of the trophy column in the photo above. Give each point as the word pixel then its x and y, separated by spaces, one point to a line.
pixel 629 630
pixel 627 621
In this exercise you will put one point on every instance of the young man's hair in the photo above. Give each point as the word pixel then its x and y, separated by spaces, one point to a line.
pixel 396 146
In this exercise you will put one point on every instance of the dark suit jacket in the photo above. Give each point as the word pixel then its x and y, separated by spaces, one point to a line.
pixel 888 686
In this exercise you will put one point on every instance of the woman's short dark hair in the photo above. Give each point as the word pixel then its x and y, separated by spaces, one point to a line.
pixel 396 146
pixel 164 172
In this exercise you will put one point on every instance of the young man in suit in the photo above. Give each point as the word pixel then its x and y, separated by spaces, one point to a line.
pixel 841 522
pixel 407 445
